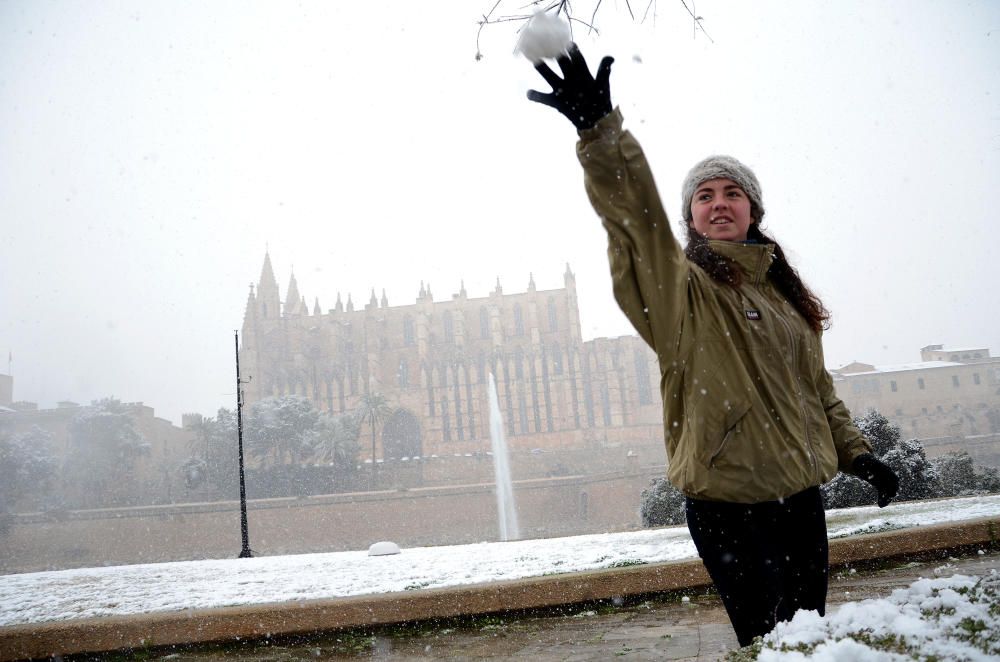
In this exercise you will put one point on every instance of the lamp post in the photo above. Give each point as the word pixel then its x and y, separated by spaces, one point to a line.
pixel 245 553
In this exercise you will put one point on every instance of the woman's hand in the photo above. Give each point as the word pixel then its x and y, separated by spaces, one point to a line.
pixel 582 98
pixel 878 473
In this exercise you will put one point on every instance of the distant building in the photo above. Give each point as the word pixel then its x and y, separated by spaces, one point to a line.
pixel 432 360
pixel 156 472
pixel 951 392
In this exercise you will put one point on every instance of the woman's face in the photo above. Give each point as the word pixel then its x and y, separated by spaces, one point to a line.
pixel 721 210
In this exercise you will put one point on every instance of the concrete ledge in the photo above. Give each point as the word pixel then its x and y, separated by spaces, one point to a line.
pixel 289 618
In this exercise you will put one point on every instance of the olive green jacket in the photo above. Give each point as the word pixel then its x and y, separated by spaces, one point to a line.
pixel 750 412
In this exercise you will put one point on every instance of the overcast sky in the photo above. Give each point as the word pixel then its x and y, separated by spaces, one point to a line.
pixel 151 151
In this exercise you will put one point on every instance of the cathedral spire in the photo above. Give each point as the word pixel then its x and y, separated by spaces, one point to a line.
pixel 267 273
pixel 316 309
pixel 531 282
pixel 350 304
pixel 292 297
pixel 339 306
pixel 268 297
pixel 385 300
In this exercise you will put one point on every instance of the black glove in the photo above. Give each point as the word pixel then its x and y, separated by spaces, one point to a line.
pixel 579 96
pixel 878 473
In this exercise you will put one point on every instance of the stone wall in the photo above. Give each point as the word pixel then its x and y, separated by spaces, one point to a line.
pixel 569 505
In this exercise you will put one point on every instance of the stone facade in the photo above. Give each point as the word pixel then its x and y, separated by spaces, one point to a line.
pixel 432 361
pixel 950 393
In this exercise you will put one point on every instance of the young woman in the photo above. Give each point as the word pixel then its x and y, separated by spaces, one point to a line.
pixel 753 425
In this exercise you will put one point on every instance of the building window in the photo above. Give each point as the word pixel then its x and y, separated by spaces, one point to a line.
pixel 432 410
pixel 642 379
pixel 484 322
pixel 920 383
pixel 557 360
pixel 403 374
pixel 899 412
pixel 409 337
pixel 606 405
pixel 518 320
pixel 892 385
pixel 553 315
pixel 924 409
pixel 954 381
pixel 445 420
pixel 522 411
pixel 940 409
pixel 449 327
pixel 975 378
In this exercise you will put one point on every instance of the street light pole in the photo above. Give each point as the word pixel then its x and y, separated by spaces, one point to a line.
pixel 245 553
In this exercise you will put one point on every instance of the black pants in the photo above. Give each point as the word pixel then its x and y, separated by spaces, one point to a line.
pixel 767 560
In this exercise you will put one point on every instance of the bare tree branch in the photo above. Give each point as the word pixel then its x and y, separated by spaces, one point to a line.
pixel 697 21
pixel 566 8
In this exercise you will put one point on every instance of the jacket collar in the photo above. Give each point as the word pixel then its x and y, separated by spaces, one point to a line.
pixel 753 259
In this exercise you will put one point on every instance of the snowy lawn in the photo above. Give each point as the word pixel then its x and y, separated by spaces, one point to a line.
pixel 953 618
pixel 88 592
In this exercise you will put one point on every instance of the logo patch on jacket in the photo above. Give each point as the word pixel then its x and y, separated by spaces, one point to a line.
pixel 753 315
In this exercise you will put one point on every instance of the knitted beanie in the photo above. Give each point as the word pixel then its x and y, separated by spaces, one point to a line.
pixel 722 167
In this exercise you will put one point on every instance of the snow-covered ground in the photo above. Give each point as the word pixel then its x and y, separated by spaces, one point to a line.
pixel 88 592
pixel 949 618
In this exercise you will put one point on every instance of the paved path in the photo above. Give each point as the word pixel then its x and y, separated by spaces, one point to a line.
pixel 662 629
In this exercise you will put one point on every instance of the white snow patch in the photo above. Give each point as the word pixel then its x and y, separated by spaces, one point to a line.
pixel 177 586
pixel 953 618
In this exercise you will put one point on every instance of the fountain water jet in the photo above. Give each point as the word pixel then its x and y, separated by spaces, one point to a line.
pixel 506 510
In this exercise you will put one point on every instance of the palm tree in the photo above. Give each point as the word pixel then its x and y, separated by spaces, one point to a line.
pixel 374 409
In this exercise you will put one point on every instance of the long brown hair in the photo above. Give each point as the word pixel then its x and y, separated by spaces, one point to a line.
pixel 782 274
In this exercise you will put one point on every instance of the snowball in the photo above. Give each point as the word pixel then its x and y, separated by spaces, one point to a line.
pixel 384 548
pixel 545 36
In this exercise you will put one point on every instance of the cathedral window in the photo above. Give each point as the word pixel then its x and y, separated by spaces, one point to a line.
pixel 484 322
pixel 553 315
pixel 449 327
pixel 557 360
pixel 458 411
pixel 522 410
pixel 606 405
pixel 445 420
pixel 403 373
pixel 518 320
pixel 430 393
pixel 642 379
pixel 519 363
pixel 409 336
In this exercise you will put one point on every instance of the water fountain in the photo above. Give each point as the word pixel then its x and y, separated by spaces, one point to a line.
pixel 506 510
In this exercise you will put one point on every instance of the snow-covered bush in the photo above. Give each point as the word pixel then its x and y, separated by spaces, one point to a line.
pixel 662 504
pixel 958 475
pixel 953 618
pixel 918 478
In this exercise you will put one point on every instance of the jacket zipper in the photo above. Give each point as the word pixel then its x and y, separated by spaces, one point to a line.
pixel 798 381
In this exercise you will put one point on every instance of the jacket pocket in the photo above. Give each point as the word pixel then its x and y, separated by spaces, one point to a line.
pixel 720 431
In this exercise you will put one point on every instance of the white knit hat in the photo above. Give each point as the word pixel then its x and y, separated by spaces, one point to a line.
pixel 722 167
